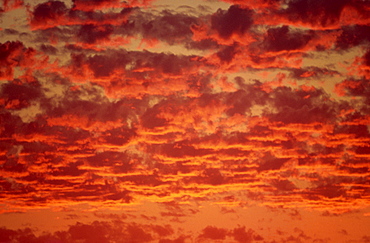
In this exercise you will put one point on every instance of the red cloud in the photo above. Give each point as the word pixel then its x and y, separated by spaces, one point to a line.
pixel 226 26
pixel 239 118
pixel 55 13
pixel 8 5
pixel 14 54
pixel 91 5
pixel 213 233
pixel 317 15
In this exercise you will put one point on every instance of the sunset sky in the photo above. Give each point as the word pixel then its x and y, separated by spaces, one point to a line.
pixel 185 121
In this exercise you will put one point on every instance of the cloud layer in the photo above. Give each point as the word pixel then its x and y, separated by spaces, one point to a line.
pixel 121 103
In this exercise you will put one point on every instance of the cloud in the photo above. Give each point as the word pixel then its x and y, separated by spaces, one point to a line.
pixel 172 28
pixel 282 38
pixel 91 34
pixel 312 72
pixel 235 20
pixel 55 13
pixel 18 96
pixel 14 54
pixel 9 5
pixel 91 5
pixel 312 109
pixel 262 103
pixel 325 15
pixel 213 233
pixel 353 35
pixel 322 13
pixel 49 11
pixel 96 231
pixel 357 88
pixel 241 235
pixel 225 26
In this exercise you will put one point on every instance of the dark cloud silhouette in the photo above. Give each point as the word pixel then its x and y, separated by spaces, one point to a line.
pixel 96 231
pixel 236 20
pixel 91 34
pixel 240 234
pixel 298 109
pixel 269 162
pixel 324 13
pixel 168 27
pixel 213 233
pixel 17 95
pixel 284 39
pixel 49 11
pixel 353 35
pixel 14 54
pixel 227 53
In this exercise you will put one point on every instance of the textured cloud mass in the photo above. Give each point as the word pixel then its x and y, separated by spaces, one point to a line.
pixel 148 121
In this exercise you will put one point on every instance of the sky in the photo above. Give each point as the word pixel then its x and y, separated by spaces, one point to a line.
pixel 185 121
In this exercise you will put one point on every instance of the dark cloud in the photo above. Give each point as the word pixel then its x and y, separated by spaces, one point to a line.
pixel 141 64
pixel 357 88
pixel 366 238
pixel 302 106
pixel 329 191
pixel 48 49
pixel 96 232
pixel 70 170
pixel 213 233
pixel 241 235
pixel 227 53
pixel 48 12
pixel 213 176
pixel 121 160
pixel 285 39
pixel 92 192
pixel 270 162
pixel 179 150
pixel 52 14
pixel 149 180
pixel 323 13
pixel 119 136
pixel 353 35
pixel 150 119
pixel 11 32
pixel 103 65
pixel 283 185
pixel 18 95
pixel 89 112
pixel 204 44
pixel 6 234
pixel 180 239
pixel 358 131
pixel 235 20
pixel 116 231
pixel 242 100
pixel 14 54
pixel 90 33
pixel 366 58
pixel 170 27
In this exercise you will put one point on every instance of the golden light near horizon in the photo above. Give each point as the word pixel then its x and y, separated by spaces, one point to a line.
pixel 192 121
